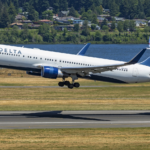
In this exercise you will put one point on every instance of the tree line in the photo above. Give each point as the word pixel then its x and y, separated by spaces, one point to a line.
pixel 47 34
pixel 88 9
pixel 129 9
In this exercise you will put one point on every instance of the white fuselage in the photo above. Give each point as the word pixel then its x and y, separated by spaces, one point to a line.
pixel 28 59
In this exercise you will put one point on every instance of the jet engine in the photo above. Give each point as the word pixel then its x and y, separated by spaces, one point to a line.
pixel 51 72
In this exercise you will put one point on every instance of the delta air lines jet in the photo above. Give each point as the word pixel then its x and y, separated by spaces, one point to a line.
pixel 60 65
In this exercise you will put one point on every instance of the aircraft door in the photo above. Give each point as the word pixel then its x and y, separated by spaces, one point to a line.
pixel 135 74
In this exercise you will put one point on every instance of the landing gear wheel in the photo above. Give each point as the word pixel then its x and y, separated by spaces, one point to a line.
pixel 61 84
pixel 70 86
pixel 66 82
pixel 77 85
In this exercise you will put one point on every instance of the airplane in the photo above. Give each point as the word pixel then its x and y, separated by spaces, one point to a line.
pixel 55 65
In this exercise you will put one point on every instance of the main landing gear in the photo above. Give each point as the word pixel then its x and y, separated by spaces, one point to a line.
pixel 70 86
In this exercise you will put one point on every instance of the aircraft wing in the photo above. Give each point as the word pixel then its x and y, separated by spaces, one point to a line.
pixel 98 69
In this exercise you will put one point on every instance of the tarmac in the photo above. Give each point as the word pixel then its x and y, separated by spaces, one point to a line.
pixel 73 119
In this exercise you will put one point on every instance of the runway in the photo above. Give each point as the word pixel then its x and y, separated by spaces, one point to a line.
pixel 55 86
pixel 73 119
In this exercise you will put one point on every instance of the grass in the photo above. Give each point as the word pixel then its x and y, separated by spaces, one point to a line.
pixel 108 97
pixel 106 139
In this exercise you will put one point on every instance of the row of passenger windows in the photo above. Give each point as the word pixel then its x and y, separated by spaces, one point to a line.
pixel 10 54
pixel 62 61
pixel 75 63
pixel 48 59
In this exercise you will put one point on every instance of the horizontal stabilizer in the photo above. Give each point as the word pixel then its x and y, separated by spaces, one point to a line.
pixel 137 57
pixel 146 62
pixel 84 49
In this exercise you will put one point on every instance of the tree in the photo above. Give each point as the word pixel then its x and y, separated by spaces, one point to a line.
pixel 85 30
pixel 72 12
pixel 15 31
pixel 36 16
pixel 33 14
pixel 26 6
pixel 94 19
pixel 132 25
pixel 65 32
pixel 104 23
pixel 126 25
pixel 47 15
pixel 98 36
pixel 4 20
pixel 99 10
pixel 113 9
pixel 47 37
pixel 106 37
pixel 56 6
pixel 25 32
pixel 113 25
pixel 82 10
pixel 146 8
pixel 12 12
pixel 45 28
pixel 120 26
pixel 63 5
pixel 44 6
pixel 93 26
pixel 105 28
pixel 125 9
pixel 76 27
pixel 85 16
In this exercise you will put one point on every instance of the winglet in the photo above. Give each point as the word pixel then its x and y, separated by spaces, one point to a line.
pixel 137 57
pixel 84 49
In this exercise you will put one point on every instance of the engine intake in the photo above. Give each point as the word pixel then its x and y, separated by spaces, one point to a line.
pixel 51 72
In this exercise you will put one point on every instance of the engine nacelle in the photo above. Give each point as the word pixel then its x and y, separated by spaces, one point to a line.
pixel 51 72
